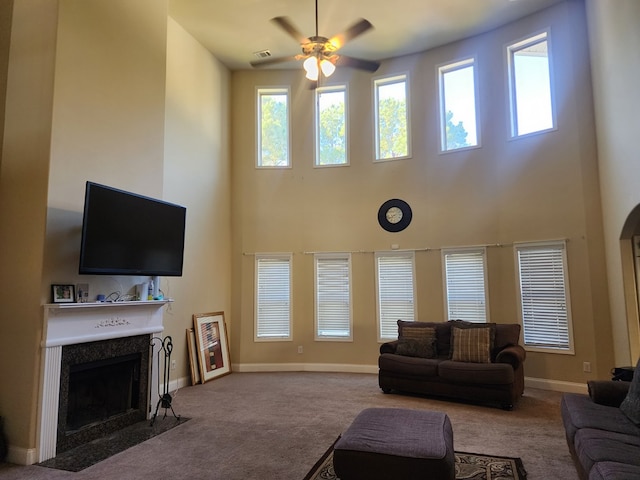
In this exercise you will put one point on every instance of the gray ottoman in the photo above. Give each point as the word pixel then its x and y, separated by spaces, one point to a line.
pixel 388 443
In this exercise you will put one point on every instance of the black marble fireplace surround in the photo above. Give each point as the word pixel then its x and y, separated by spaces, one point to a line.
pixel 103 388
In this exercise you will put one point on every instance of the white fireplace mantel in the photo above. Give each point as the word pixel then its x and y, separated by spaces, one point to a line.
pixel 73 323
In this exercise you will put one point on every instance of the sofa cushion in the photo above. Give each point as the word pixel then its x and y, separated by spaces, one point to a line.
pixel 579 411
pixel 594 446
pixel 614 471
pixel 471 344
pixel 476 373
pixel 402 365
pixel 630 406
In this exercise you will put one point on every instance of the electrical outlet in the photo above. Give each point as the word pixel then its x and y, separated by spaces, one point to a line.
pixel 300 349
pixel 586 367
pixel 173 364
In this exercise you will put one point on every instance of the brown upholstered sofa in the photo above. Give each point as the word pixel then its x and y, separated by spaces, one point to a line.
pixel 478 362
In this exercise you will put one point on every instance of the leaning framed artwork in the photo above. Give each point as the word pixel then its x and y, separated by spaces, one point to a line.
pixel 193 356
pixel 63 293
pixel 212 344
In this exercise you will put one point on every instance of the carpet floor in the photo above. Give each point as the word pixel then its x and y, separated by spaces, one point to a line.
pixel 276 425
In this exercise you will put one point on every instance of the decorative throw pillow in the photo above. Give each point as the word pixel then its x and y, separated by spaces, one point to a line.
pixel 417 342
pixel 630 406
pixel 412 347
pixel 471 344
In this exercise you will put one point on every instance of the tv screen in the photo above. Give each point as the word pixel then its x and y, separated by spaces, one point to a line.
pixel 125 233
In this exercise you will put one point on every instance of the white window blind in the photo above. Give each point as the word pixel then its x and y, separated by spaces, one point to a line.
pixel 465 285
pixel 395 291
pixel 544 296
pixel 273 297
pixel 333 296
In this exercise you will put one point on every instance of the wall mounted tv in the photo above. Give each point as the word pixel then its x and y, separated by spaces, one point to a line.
pixel 124 233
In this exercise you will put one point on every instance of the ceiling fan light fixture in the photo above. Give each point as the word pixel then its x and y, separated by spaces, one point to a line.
pixel 327 67
pixel 311 67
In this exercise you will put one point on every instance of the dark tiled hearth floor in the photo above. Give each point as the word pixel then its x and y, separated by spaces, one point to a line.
pixel 93 452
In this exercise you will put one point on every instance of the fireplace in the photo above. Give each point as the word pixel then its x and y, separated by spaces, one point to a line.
pixel 103 388
pixel 81 344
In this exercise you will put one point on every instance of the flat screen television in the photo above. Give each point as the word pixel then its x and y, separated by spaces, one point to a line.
pixel 124 233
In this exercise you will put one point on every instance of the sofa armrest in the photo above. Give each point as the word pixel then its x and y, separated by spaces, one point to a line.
pixel 389 347
pixel 514 355
pixel 608 392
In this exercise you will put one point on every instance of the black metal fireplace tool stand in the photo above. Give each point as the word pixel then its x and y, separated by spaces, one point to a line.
pixel 164 353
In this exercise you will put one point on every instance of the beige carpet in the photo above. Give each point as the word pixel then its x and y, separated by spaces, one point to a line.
pixel 277 425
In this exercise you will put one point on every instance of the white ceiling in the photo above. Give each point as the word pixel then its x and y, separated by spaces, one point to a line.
pixel 234 29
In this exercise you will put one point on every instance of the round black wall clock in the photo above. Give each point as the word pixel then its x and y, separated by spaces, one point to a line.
pixel 394 215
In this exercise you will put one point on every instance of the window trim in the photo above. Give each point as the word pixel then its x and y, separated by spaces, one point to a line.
pixel 442 69
pixel 512 111
pixel 337 256
pixel 331 88
pixel 258 157
pixel 483 252
pixel 386 80
pixel 561 244
pixel 275 256
pixel 393 253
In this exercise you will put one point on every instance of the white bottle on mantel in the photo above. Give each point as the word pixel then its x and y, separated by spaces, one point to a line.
pixel 150 293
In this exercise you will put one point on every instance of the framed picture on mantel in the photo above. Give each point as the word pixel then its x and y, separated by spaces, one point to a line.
pixel 213 346
pixel 63 293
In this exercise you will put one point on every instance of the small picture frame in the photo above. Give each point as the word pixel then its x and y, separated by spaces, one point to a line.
pixel 63 293
pixel 82 291
pixel 213 347
pixel 193 356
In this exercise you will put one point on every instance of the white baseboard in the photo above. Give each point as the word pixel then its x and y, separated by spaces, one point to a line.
pixel 304 367
pixel 21 456
pixel 555 385
pixel 541 383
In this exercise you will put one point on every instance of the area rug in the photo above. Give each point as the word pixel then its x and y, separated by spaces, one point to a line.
pixel 100 449
pixel 469 466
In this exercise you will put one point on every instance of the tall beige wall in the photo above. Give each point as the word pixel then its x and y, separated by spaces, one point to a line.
pixel 614 35
pixel 537 188
pixel 23 205
pixel 197 175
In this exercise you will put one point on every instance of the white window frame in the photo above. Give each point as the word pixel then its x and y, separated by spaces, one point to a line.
pixel 511 82
pixel 442 71
pixel 265 91
pixel 318 92
pixel 472 287
pixel 529 327
pixel 382 81
pixel 330 312
pixel 387 320
pixel 282 258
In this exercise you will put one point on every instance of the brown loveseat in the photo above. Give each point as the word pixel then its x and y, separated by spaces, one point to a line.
pixel 455 359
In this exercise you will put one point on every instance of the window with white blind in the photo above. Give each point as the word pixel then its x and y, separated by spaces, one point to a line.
pixel 395 273
pixel 544 296
pixel 465 284
pixel 273 297
pixel 333 296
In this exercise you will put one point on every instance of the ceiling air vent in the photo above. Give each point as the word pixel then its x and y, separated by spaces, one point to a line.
pixel 262 54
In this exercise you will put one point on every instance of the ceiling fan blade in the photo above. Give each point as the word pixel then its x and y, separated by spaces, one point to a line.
pixel 367 65
pixel 287 26
pixel 273 61
pixel 350 33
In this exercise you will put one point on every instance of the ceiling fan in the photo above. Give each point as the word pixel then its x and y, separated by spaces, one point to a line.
pixel 320 53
